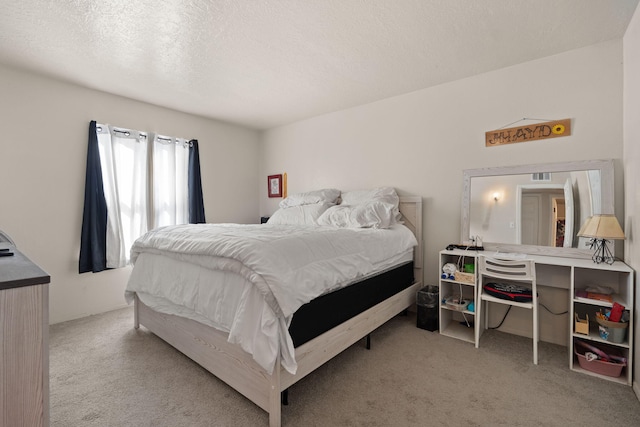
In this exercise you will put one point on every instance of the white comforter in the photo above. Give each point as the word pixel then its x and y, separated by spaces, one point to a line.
pixel 284 267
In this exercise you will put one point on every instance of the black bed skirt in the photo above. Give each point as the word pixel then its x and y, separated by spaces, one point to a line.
pixel 330 310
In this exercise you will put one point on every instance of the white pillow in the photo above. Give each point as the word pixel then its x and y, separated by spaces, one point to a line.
pixel 372 214
pixel 382 194
pixel 327 195
pixel 298 215
pixel 337 216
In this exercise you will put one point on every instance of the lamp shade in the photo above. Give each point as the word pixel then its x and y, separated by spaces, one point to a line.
pixel 584 227
pixel 604 226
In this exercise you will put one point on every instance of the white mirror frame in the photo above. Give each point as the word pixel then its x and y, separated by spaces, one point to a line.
pixel 607 194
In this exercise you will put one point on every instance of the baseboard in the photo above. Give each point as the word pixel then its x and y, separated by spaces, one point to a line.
pixel 84 314
pixel 636 389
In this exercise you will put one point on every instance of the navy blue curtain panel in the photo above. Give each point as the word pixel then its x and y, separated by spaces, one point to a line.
pixel 93 242
pixel 196 202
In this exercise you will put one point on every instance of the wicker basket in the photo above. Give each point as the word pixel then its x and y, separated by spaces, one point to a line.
pixel 469 278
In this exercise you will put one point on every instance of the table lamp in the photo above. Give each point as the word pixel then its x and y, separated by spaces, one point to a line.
pixel 601 228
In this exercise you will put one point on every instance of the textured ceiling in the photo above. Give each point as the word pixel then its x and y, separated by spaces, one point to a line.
pixel 266 63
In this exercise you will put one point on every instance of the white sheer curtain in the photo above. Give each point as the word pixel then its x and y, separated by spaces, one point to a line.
pixel 135 181
pixel 123 159
pixel 170 181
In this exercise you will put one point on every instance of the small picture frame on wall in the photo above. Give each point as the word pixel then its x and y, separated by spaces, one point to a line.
pixel 274 185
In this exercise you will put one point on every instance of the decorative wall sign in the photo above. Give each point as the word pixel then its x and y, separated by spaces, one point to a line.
pixel 274 185
pixel 527 133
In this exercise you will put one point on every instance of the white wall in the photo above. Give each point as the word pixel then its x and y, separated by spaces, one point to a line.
pixel 421 142
pixel 631 163
pixel 43 152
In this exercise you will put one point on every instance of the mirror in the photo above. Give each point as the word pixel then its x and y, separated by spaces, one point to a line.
pixel 536 209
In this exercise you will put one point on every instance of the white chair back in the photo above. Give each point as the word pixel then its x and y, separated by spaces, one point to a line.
pixel 522 270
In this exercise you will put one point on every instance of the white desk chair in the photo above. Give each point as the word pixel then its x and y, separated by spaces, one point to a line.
pixel 511 271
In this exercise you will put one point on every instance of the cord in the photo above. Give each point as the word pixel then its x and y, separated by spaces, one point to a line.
pixel 503 319
pixel 462 299
pixel 509 309
pixel 460 265
pixel 461 260
pixel 555 314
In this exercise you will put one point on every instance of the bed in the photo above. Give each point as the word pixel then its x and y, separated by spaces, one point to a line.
pixel 262 380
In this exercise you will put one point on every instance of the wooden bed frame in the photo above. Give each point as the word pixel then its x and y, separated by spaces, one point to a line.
pixel 209 347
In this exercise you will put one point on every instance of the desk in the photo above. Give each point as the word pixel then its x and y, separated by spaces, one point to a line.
pixel 558 280
pixel 24 342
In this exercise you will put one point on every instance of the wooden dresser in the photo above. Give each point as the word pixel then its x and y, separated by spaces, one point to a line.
pixel 24 341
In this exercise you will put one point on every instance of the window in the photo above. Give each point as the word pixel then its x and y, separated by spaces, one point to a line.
pixel 136 181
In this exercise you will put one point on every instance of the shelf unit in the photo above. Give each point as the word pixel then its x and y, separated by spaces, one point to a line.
pixel 454 323
pixel 620 278
pixel 556 272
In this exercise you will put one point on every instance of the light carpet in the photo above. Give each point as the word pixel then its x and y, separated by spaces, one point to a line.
pixel 106 373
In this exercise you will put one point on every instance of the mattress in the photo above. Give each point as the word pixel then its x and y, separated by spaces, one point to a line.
pixel 248 280
pixel 330 310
